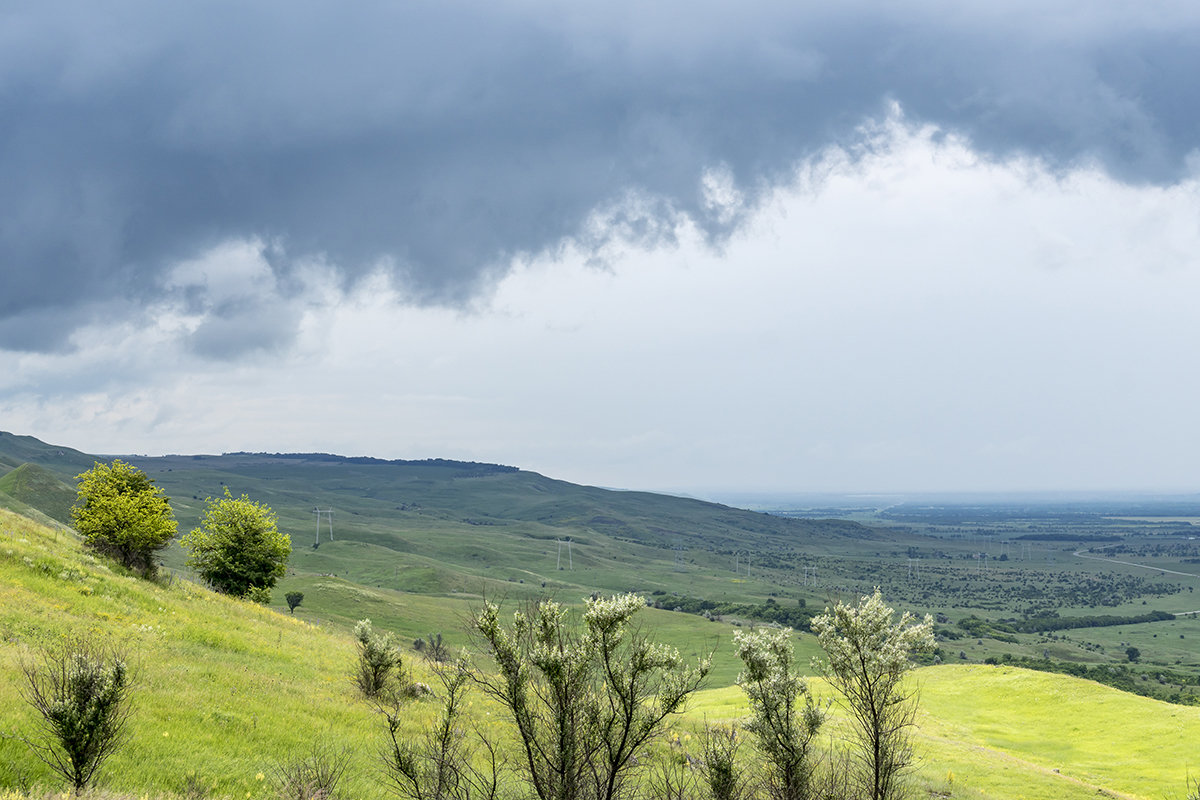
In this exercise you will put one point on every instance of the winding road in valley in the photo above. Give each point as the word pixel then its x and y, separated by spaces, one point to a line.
pixel 1081 554
pixel 1161 570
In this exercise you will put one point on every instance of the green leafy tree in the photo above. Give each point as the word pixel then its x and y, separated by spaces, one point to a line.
pixel 868 655
pixel 294 599
pixel 783 730
pixel 585 700
pixel 122 514
pixel 81 692
pixel 238 547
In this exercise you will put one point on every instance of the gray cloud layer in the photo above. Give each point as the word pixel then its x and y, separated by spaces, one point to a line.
pixel 443 138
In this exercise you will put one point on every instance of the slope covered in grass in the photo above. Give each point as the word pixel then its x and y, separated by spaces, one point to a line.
pixel 65 462
pixel 471 523
pixel 1076 731
pixel 38 487
pixel 1003 733
pixel 227 690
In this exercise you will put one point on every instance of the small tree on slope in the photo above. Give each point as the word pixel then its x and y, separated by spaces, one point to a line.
pixel 81 692
pixel 379 660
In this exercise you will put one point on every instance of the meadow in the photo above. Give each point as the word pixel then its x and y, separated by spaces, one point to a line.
pixel 228 690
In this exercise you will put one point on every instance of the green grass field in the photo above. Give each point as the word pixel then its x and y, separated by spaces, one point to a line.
pixel 227 689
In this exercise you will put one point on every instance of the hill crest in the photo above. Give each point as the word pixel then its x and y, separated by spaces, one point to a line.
pixel 475 524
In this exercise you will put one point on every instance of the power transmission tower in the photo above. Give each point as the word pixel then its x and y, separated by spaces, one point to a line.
pixel 328 513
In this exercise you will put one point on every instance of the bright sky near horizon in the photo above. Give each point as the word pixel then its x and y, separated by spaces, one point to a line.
pixel 795 248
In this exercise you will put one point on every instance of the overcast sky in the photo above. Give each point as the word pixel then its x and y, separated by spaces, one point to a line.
pixel 782 246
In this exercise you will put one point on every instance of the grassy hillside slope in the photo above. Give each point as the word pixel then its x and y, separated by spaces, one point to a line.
pixel 445 527
pixel 1074 730
pixel 1002 732
pixel 65 462
pixel 227 689
pixel 38 487
pixel 224 690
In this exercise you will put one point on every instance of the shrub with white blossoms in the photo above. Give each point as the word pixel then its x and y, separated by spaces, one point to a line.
pixel 585 699
pixel 783 730
pixel 868 654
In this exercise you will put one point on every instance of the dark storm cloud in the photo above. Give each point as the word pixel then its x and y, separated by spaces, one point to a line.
pixel 443 138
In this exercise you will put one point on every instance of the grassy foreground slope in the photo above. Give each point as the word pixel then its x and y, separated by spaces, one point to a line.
pixel 225 688
pixel 1071 731
pixel 228 689
pixel 997 733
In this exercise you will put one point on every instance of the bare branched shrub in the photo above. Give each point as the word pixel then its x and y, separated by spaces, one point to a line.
pixel 433 648
pixel 81 691
pixel 834 777
pixel 673 778
pixel 438 765
pixel 314 776
pixel 722 775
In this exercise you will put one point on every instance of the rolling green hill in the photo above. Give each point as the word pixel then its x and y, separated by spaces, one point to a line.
pixel 448 528
pixel 37 487
pixel 63 461
pixel 226 690
pixel 417 542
